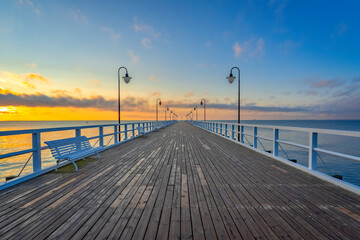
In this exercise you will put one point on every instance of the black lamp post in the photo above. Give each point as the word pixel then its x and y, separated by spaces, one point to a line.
pixel 231 79
pixel 126 80
pixel 158 102
pixel 203 102
pixel 166 109
pixel 195 109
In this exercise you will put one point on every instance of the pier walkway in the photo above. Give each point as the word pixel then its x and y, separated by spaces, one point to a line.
pixel 179 182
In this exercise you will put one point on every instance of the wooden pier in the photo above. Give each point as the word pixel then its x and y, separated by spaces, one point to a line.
pixel 179 182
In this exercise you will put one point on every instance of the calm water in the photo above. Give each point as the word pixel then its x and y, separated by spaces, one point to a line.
pixel 350 170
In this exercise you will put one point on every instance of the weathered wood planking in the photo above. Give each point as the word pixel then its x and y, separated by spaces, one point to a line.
pixel 179 182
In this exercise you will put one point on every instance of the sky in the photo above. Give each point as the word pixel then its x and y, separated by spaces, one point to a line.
pixel 59 60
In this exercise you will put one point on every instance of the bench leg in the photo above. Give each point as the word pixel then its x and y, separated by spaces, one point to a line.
pixel 76 168
pixel 98 155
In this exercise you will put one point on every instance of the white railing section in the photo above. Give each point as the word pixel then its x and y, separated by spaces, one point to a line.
pixel 120 133
pixel 235 132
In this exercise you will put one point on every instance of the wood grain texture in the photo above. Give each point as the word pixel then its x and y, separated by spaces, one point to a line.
pixel 180 182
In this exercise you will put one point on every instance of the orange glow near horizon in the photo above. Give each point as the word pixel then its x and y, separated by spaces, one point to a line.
pixel 10 113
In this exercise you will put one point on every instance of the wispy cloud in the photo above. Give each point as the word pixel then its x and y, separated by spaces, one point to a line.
pixel 79 17
pixel 28 80
pixel 237 49
pixel 146 42
pixel 95 82
pixel 111 32
pixel 134 58
pixel 28 3
pixel 141 27
pixel 32 65
pixel 189 94
pixel 153 78
pixel 155 94
pixel 249 49
pixel 288 46
pixel 325 83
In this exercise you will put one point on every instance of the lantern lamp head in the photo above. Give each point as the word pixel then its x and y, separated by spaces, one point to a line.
pixel 127 78
pixel 231 78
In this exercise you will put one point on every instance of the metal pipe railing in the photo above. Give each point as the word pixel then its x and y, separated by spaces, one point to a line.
pixel 312 146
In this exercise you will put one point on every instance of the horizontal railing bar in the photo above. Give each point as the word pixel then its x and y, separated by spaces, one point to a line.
pixel 299 129
pixel 29 131
pixel 342 155
pixel 293 144
pixel 265 138
pixel 13 154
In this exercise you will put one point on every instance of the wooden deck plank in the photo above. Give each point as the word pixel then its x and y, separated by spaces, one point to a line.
pixel 179 182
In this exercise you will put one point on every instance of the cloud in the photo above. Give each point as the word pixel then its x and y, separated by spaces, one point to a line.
pixel 8 98
pixel 149 30
pixel 32 65
pixel 146 42
pixel 134 58
pixel 28 3
pixel 155 94
pixel 249 49
pixel 111 32
pixel 25 80
pixel 326 83
pixel 95 82
pixel 202 65
pixel 356 80
pixel 288 46
pixel 77 90
pixel 79 17
pixel 153 78
pixel 189 94
pixel 237 49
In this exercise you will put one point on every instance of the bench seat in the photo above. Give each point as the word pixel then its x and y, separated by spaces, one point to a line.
pixel 72 149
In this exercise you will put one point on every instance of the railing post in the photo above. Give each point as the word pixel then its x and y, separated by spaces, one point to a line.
pixel 241 134
pixel 115 134
pixel 36 145
pixel 101 136
pixel 313 141
pixel 138 129
pixel 275 143
pixel 221 129
pixel 125 131
pixel 217 128
pixel 255 137
pixel 226 127
pixel 78 132
pixel 133 130
pixel 232 132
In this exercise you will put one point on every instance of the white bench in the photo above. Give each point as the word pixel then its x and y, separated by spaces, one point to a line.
pixel 142 131
pixel 72 149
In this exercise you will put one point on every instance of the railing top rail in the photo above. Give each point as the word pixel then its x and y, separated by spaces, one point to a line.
pixel 28 131
pixel 298 129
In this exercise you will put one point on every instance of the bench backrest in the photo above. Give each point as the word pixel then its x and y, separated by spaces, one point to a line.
pixel 63 147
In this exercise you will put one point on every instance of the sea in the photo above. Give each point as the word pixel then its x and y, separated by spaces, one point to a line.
pixel 348 169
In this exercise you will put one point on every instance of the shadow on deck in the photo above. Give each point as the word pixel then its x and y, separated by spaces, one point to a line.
pixel 179 182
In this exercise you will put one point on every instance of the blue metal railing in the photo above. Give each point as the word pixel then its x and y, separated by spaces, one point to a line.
pixel 230 131
pixel 125 131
